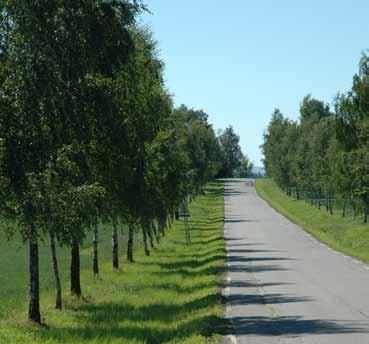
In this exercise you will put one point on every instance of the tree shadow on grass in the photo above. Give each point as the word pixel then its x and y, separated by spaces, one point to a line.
pixel 197 264
pixel 217 250
pixel 188 288
pixel 193 263
pixel 153 323
pixel 212 240
pixel 205 325
pixel 205 223
pixel 220 250
pixel 214 269
pixel 202 325
pixel 189 273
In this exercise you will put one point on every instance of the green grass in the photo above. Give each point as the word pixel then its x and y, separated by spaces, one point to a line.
pixel 14 269
pixel 342 234
pixel 173 296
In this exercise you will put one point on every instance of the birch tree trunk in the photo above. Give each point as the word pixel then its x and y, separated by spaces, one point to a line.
pixel 75 278
pixel 149 233
pixel 130 244
pixel 115 246
pixel 156 232
pixel 58 296
pixel 354 210
pixel 95 244
pixel 144 226
pixel 344 209
pixel 162 220
pixel 34 283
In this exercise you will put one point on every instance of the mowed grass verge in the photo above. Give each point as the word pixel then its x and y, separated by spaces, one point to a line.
pixel 342 234
pixel 173 296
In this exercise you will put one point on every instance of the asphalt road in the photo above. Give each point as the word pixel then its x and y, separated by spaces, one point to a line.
pixel 283 286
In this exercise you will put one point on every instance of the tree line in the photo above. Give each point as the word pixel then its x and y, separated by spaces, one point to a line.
pixel 324 156
pixel 89 134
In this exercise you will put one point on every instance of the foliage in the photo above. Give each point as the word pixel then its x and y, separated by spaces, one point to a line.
pixel 234 162
pixel 89 133
pixel 325 154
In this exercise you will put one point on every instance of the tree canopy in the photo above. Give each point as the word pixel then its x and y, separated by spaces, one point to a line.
pixel 233 161
pixel 324 155
pixel 89 132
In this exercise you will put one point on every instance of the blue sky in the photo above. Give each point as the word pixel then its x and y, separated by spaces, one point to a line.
pixel 238 60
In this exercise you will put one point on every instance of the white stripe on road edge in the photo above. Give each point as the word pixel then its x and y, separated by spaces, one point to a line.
pixel 233 339
pixel 229 279
pixel 228 291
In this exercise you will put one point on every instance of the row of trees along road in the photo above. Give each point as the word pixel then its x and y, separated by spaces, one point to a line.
pixel 324 157
pixel 88 132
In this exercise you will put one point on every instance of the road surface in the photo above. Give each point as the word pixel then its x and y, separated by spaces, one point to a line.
pixel 285 287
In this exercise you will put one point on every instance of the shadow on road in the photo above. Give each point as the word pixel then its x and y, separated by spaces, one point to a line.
pixel 253 284
pixel 252 299
pixel 239 221
pixel 255 268
pixel 245 244
pixel 251 262
pixel 234 193
pixel 293 326
pixel 253 251
pixel 254 259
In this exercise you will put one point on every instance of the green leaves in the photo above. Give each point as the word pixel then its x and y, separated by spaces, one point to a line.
pixel 87 126
pixel 232 158
pixel 324 152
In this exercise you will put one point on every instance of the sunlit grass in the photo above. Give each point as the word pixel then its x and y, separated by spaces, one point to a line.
pixel 173 296
pixel 343 234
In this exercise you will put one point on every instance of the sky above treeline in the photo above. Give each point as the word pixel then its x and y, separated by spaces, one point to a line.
pixel 239 60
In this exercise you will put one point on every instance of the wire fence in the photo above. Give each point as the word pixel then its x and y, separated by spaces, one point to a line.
pixel 346 207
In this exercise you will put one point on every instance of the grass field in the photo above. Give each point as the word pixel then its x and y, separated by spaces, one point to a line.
pixel 173 296
pixel 343 234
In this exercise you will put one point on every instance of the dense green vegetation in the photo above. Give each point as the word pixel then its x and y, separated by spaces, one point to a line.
pixel 171 297
pixel 234 163
pixel 91 143
pixel 343 234
pixel 324 156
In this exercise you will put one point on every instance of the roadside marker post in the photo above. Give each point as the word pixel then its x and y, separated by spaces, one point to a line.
pixel 185 213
